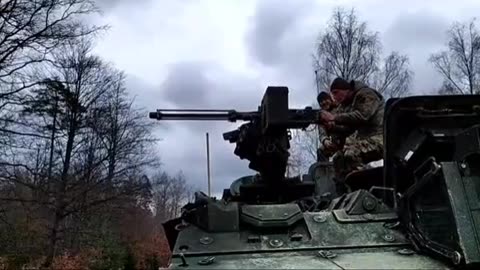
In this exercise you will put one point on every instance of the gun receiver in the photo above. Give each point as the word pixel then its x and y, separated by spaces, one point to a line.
pixel 264 140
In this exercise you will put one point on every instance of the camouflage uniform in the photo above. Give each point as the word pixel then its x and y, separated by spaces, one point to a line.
pixel 327 135
pixel 361 122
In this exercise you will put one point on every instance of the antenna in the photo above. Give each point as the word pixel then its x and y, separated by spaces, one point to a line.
pixel 319 129
pixel 316 81
pixel 208 167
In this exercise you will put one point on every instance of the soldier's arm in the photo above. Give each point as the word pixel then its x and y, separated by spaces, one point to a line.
pixel 323 136
pixel 364 106
pixel 342 130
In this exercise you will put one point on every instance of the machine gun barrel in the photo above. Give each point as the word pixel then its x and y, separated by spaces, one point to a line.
pixel 295 118
pixel 203 115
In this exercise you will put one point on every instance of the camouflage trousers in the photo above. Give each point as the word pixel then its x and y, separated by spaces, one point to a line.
pixel 324 153
pixel 355 154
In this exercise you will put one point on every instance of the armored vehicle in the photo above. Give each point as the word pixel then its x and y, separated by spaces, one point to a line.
pixel 419 210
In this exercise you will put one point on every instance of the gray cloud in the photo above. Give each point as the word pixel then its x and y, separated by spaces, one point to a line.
pixel 143 92
pixel 283 39
pixel 193 85
pixel 208 86
pixel 271 24
pixel 109 5
pixel 187 85
pixel 418 35
pixel 422 29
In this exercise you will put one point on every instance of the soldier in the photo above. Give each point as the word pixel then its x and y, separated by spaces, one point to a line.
pixel 327 142
pixel 326 101
pixel 360 119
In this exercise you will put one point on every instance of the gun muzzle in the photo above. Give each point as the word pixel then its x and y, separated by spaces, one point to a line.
pixel 154 115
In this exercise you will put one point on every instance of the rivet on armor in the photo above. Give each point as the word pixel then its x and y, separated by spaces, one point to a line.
pixel 406 251
pixel 389 238
pixel 319 218
pixel 327 254
pixel 276 243
pixel 181 226
pixel 206 240
pixel 206 261
pixel 369 204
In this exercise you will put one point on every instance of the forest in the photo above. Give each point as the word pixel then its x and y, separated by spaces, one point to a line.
pixel 81 185
pixel 79 180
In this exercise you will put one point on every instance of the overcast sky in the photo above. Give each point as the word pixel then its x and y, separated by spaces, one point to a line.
pixel 224 53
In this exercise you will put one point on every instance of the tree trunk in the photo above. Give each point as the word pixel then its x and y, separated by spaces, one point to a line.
pixel 60 202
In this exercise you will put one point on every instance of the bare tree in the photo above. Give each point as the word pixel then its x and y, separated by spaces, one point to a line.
pixel 303 153
pixel 85 79
pixel 394 78
pixel 92 147
pixel 349 50
pixel 170 193
pixel 30 29
pixel 447 89
pixel 346 49
pixel 124 131
pixel 459 64
pixel 162 188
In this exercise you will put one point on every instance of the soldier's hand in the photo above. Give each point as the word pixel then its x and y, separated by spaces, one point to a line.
pixel 328 144
pixel 326 116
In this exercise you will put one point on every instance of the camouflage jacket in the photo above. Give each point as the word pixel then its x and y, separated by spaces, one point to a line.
pixel 363 115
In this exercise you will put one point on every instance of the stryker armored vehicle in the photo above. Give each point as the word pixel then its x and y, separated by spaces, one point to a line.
pixel 420 210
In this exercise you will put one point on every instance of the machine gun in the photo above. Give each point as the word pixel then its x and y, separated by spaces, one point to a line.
pixel 264 140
